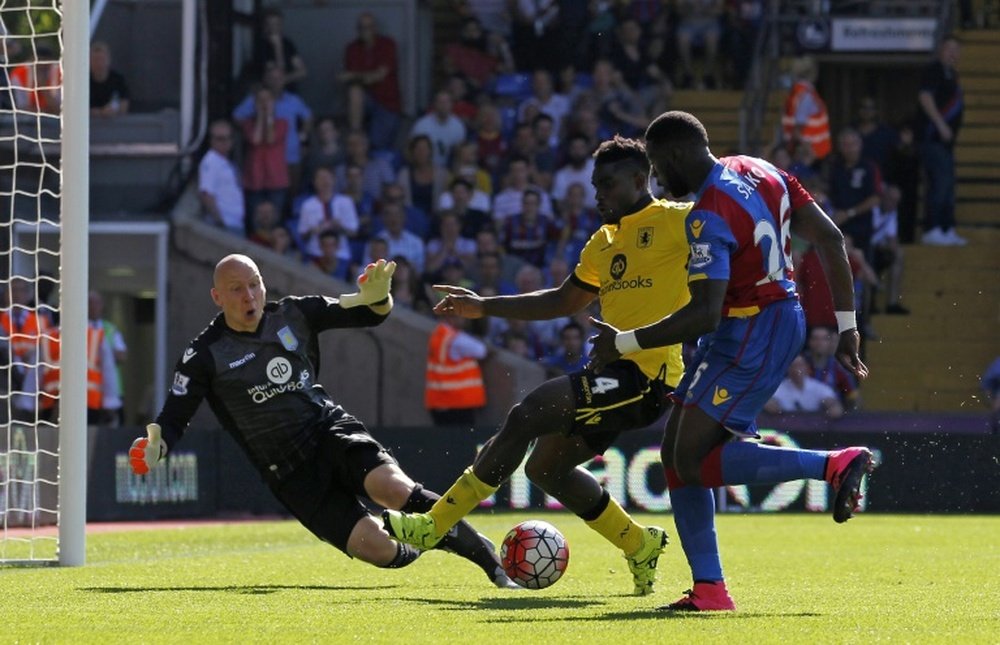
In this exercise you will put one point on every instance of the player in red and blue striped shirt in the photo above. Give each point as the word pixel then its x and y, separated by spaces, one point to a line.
pixel 745 312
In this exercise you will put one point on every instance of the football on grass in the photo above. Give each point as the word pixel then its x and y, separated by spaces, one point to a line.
pixel 534 554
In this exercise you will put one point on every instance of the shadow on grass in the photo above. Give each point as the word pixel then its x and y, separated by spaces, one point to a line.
pixel 242 589
pixel 516 602
pixel 654 614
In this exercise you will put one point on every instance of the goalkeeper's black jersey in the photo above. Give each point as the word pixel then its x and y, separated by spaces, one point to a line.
pixel 262 385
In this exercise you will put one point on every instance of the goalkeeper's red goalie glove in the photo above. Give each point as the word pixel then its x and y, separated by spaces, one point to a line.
pixel 147 451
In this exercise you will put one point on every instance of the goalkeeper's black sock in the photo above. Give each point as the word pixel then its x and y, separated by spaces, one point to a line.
pixel 462 539
pixel 405 554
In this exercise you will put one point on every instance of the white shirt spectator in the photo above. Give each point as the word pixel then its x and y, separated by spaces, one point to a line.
pixel 219 177
pixel 809 399
pixel 480 201
pixel 557 106
pixel 445 135
pixel 314 212
pixel 568 175
pixel 508 202
pixel 408 245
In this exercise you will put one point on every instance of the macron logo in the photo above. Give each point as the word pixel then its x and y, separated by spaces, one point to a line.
pixel 188 355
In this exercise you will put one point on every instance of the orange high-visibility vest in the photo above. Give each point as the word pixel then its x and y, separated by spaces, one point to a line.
pixel 50 376
pixel 816 131
pixel 49 364
pixel 451 384
pixel 95 390
pixel 23 339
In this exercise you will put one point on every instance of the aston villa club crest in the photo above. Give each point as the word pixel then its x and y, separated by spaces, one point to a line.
pixel 288 339
pixel 644 238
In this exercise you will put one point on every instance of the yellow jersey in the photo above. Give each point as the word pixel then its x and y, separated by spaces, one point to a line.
pixel 639 270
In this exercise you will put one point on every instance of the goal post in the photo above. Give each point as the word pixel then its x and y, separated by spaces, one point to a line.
pixel 44 141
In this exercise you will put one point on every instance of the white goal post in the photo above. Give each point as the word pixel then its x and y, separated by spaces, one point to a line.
pixel 44 140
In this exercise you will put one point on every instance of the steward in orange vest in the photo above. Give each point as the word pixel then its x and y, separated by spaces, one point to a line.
pixel 816 130
pixel 454 385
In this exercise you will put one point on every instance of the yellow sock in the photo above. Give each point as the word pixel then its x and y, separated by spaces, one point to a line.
pixel 459 500
pixel 618 528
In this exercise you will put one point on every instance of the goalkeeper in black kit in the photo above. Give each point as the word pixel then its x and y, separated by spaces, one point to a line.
pixel 256 364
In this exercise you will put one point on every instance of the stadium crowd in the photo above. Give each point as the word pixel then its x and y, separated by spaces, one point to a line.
pixel 490 188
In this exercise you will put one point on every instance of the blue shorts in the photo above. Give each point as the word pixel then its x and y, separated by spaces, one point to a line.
pixel 737 368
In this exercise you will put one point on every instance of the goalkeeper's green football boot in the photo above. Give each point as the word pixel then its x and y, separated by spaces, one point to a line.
pixel 415 529
pixel 642 563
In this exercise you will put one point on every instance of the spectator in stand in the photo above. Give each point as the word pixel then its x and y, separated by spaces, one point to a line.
pixel 264 221
pixel 939 119
pixel 578 222
pixel 546 149
pixel 364 205
pixel 991 386
pixel 577 170
pixel 407 290
pixel 442 127
pixel 903 170
pixel 491 146
pixel 493 15
pixel 618 108
pixel 416 221
pixel 477 55
pixel 114 354
pixel 109 95
pixel 294 111
pixel 465 164
pixel 219 189
pixel 487 275
pixel 265 170
pixel 463 99
pixel 543 334
pixel 508 201
pixel 324 148
pixel 799 392
pixel 273 47
pixel 422 180
pixel 878 139
pixel 327 210
pixel 585 122
pixel 283 244
pixel 449 245
pixel 488 242
pixel 541 163
pixel 741 26
pixel 805 118
pixel 371 73
pixel 855 184
pixel 639 71
pixel 401 241
pixel 455 388
pixel 36 85
pixel 377 170
pixel 331 261
pixel 528 234
pixel 569 357
pixel 699 24
pixel 804 164
pixel 536 39
pixel 821 347
pixel 887 253
pixel 546 100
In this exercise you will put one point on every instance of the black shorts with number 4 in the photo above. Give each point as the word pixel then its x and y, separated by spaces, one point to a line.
pixel 618 398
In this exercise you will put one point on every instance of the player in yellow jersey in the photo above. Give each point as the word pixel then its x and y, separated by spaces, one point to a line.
pixel 636 265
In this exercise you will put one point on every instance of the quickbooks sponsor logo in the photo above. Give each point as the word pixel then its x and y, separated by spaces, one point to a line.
pixel 637 282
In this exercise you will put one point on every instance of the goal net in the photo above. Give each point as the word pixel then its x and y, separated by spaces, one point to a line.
pixel 33 321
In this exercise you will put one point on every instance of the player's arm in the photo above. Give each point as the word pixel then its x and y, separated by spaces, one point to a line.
pixel 566 299
pixel 812 224
pixel 698 317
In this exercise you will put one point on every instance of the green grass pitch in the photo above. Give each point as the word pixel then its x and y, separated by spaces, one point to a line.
pixel 795 578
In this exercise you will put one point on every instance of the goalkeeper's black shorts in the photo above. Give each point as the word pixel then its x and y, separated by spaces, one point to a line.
pixel 323 493
pixel 618 398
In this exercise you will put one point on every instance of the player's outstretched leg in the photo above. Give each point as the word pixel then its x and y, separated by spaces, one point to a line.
pixel 463 540
pixel 845 470
pixel 554 467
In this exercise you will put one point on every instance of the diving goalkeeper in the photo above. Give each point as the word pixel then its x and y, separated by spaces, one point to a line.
pixel 256 364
